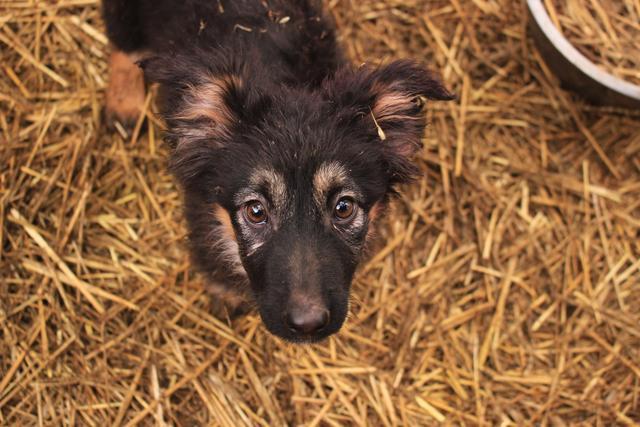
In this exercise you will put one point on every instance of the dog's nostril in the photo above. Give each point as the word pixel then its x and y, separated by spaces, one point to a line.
pixel 307 321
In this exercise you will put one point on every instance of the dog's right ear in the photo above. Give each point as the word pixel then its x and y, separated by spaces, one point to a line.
pixel 200 105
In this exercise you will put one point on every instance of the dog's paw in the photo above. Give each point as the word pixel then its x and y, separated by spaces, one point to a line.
pixel 125 94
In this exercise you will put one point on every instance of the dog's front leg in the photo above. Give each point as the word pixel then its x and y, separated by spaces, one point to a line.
pixel 126 90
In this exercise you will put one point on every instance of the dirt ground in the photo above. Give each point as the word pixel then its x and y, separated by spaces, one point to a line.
pixel 504 291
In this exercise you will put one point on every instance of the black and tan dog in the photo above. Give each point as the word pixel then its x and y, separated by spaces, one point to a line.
pixel 286 153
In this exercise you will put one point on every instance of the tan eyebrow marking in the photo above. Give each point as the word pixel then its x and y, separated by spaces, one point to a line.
pixel 275 184
pixel 328 176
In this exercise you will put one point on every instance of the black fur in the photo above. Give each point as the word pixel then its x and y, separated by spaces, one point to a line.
pixel 282 100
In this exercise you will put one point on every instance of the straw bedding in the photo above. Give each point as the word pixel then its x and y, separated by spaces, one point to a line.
pixel 504 289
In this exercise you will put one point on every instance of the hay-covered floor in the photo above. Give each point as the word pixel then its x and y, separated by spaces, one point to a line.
pixel 505 290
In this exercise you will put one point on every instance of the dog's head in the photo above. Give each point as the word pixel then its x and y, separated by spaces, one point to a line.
pixel 284 183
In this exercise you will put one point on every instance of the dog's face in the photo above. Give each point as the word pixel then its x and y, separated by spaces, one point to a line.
pixel 300 214
pixel 300 230
pixel 283 185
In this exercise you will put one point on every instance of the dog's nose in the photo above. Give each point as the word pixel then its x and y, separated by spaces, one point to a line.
pixel 307 320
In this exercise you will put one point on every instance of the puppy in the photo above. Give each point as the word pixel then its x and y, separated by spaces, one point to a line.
pixel 286 153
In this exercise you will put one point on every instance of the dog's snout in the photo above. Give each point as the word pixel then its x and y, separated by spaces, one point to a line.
pixel 307 320
pixel 305 298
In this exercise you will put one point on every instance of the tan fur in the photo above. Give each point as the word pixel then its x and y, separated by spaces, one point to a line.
pixel 225 294
pixel 275 184
pixel 223 237
pixel 327 176
pixel 125 93
pixel 276 187
pixel 226 299
pixel 224 219
pixel 206 101
pixel 374 214
pixel 391 105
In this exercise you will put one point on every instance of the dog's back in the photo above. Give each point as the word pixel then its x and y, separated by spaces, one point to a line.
pixel 282 36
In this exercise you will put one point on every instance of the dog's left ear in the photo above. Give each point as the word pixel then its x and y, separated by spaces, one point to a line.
pixel 201 105
pixel 389 100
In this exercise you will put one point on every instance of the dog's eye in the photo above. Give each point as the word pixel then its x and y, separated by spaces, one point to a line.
pixel 256 212
pixel 345 208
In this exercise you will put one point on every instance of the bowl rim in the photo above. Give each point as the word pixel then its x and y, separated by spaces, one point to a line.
pixel 561 44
